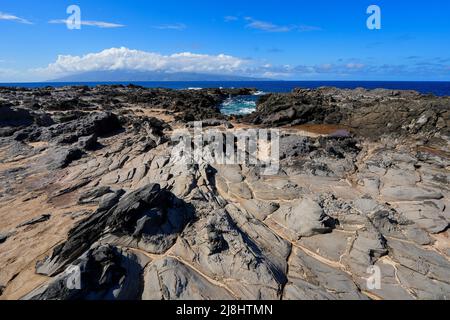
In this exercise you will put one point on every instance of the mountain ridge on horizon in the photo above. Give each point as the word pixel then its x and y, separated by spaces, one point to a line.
pixel 131 75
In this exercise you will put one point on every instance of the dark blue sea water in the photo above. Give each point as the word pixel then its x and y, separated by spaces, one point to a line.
pixel 246 104
pixel 437 88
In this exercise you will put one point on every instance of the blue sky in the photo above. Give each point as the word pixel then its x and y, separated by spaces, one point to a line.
pixel 298 40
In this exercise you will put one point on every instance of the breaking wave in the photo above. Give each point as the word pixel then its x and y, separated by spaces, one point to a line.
pixel 240 105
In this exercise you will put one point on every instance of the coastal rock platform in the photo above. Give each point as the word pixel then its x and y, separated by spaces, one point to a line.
pixel 89 183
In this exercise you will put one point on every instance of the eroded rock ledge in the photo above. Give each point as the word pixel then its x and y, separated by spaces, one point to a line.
pixel 88 183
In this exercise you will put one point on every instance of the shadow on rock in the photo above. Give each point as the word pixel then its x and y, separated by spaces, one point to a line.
pixel 149 218
pixel 104 272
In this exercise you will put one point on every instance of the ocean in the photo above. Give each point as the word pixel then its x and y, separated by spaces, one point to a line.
pixel 247 104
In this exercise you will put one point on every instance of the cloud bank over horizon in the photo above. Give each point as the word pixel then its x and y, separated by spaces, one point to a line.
pixel 307 40
pixel 122 58
pixel 114 59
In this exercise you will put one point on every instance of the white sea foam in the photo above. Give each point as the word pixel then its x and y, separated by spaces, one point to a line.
pixel 238 106
pixel 246 110
pixel 259 93
pixel 228 102
pixel 249 103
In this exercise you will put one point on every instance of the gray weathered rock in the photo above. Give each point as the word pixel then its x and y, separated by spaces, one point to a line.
pixel 260 209
pixel 4 236
pixel 307 274
pixel 426 262
pixel 102 273
pixel 169 279
pixel 421 287
pixel 148 217
pixel 362 183
pixel 404 193
pixel 303 218
pixel 249 272
pixel 42 218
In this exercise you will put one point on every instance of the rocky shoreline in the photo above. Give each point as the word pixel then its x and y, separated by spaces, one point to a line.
pixel 88 183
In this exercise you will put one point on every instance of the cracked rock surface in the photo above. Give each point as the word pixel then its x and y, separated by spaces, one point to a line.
pixel 94 204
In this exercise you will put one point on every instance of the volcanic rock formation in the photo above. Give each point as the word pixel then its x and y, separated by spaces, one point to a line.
pixel 94 205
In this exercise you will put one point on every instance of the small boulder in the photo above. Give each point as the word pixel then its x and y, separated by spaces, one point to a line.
pixel 303 218
pixel 42 218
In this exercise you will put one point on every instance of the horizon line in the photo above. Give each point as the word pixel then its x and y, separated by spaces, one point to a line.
pixel 219 81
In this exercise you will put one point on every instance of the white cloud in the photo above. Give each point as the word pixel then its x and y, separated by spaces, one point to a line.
pixel 355 65
pixel 271 27
pixel 10 17
pixel 138 60
pixel 175 26
pixel 326 66
pixel 267 26
pixel 10 75
pixel 304 28
pixel 230 18
pixel 100 24
pixel 127 59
